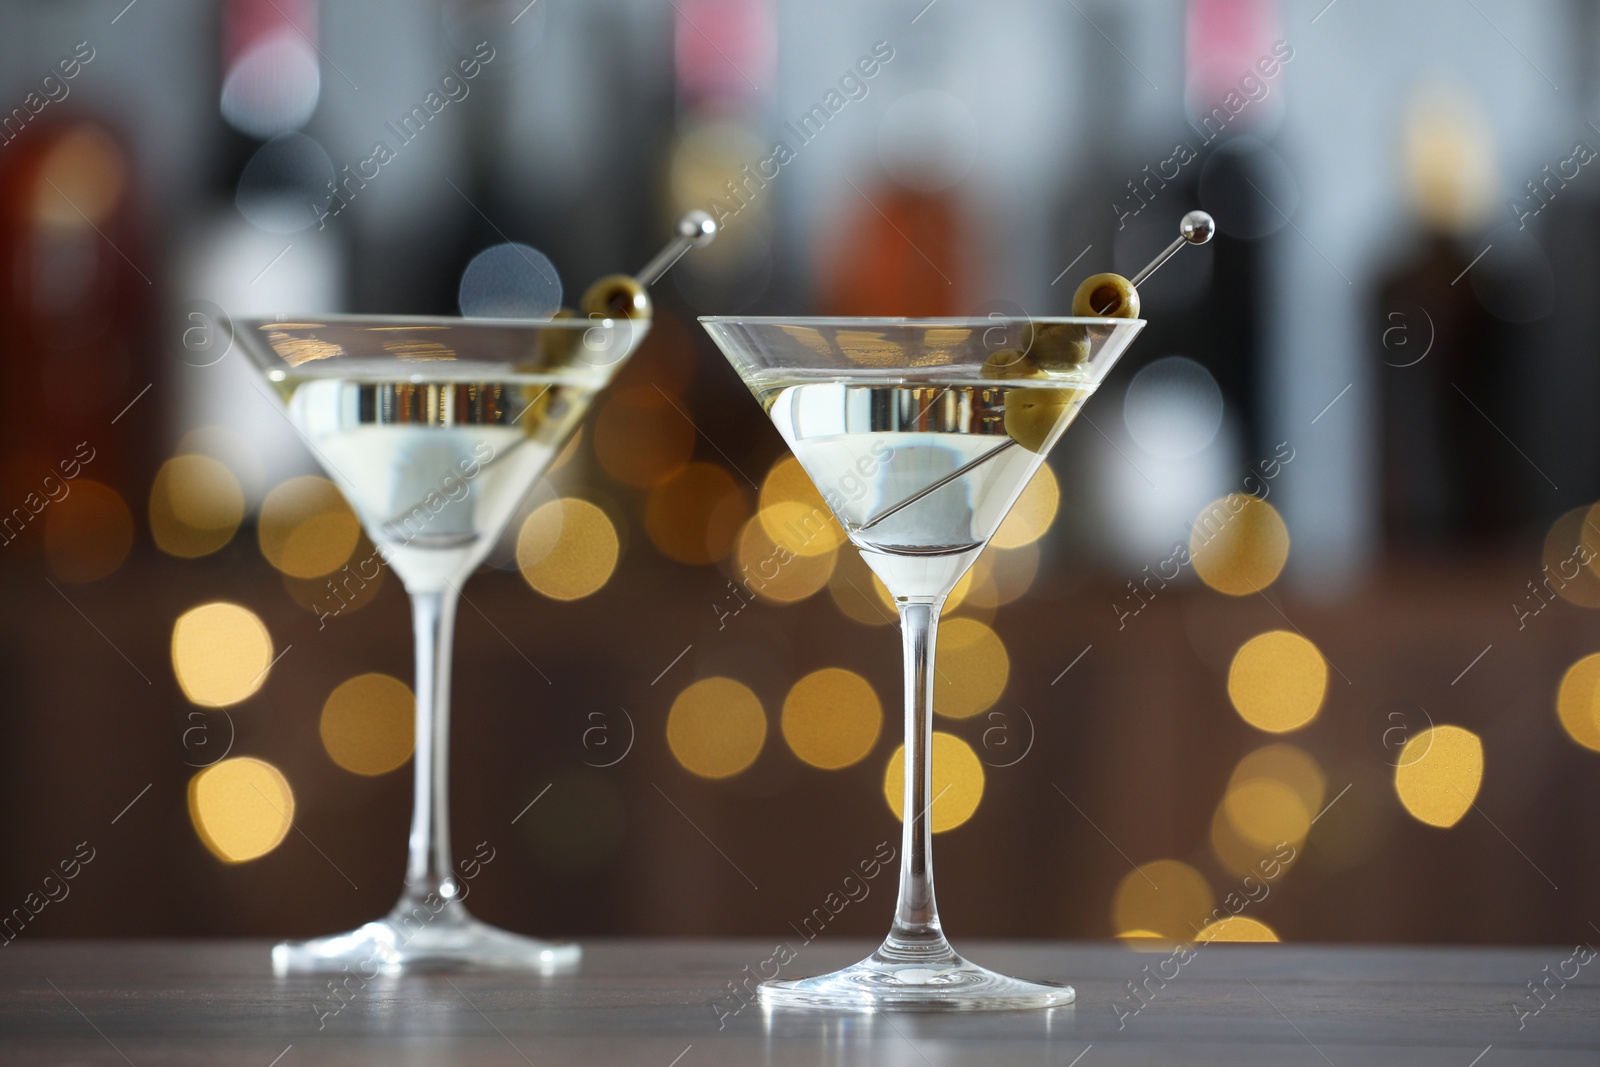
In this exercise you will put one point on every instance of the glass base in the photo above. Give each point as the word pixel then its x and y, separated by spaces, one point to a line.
pixel 415 938
pixel 945 982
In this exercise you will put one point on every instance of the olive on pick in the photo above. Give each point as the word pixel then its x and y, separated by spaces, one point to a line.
pixel 557 345
pixel 1033 414
pixel 1057 345
pixel 1108 296
pixel 616 296
pixel 1011 363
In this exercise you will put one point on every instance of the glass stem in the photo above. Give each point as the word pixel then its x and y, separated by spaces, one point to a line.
pixel 428 863
pixel 916 934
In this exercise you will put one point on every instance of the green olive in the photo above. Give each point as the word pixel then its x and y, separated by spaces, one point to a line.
pixel 1011 363
pixel 616 296
pixel 1033 414
pixel 1058 345
pixel 557 345
pixel 1108 296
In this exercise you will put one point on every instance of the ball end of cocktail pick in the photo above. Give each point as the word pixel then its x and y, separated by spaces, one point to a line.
pixel 698 228
pixel 1197 227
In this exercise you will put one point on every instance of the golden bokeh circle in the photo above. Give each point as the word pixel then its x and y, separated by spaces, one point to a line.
pixel 1578 702
pixel 1167 898
pixel 716 727
pixel 1277 681
pixel 196 505
pixel 1239 544
pixel 832 718
pixel 241 808
pixel 1570 558
pixel 88 533
pixel 694 516
pixel 853 592
pixel 772 572
pixel 567 549
pixel 793 512
pixel 305 528
pixel 1439 774
pixel 1237 928
pixel 1030 517
pixel 957 776
pixel 1289 764
pixel 1266 811
pixel 640 439
pixel 220 653
pixel 1002 576
pixel 368 724
pixel 973 668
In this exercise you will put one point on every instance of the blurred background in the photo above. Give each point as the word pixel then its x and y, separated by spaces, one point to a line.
pixel 1315 575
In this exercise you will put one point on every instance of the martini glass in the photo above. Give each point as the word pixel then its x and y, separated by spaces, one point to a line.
pixel 920 435
pixel 435 429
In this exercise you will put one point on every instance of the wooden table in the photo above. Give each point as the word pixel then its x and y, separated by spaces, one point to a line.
pixel 651 1004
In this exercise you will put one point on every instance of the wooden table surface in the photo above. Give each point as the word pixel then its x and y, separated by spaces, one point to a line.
pixel 651 1004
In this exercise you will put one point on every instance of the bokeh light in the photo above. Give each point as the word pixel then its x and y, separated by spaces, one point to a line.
pixel 1033 512
pixel 305 527
pixel 1571 540
pixel 1578 702
pixel 1237 928
pixel 368 724
pixel 345 591
pixel 832 718
pixel 1172 408
pixel 772 572
pixel 694 516
pixel 639 439
pixel 1277 681
pixel 973 668
pixel 1003 575
pixel 241 808
pixel 509 281
pixel 1439 773
pixel 220 654
pixel 851 586
pixel 567 549
pixel 793 512
pixel 1271 798
pixel 1166 898
pixel 957 776
pixel 88 533
pixel 1265 811
pixel 196 505
pixel 1239 544
pixel 81 179
pixel 716 727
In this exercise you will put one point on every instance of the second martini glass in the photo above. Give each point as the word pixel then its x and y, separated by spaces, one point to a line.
pixel 435 429
pixel 920 435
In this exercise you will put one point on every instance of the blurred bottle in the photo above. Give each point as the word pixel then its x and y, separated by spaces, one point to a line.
pixel 1448 474
pixel 267 241
pixel 77 292
pixel 1558 355
pixel 721 159
pixel 897 243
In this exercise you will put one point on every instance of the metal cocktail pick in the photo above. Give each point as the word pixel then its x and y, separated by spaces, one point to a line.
pixel 1195 228
pixel 695 230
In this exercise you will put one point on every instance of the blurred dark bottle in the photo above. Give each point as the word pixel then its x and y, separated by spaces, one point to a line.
pixel 77 292
pixel 1559 353
pixel 898 242
pixel 1449 474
